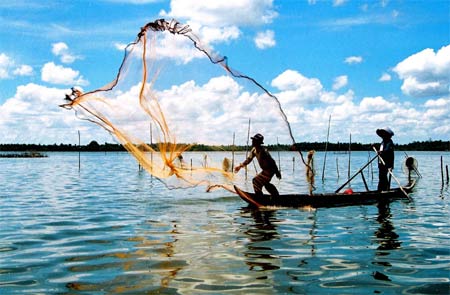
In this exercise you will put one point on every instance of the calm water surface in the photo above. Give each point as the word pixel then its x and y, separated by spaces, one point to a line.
pixel 111 229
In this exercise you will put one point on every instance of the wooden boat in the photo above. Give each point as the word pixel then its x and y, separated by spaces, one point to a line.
pixel 325 199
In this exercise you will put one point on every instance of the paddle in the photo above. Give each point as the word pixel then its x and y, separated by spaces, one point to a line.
pixel 392 174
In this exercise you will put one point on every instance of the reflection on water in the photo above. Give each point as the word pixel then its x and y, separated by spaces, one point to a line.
pixel 135 271
pixel 386 236
pixel 260 256
pixel 111 229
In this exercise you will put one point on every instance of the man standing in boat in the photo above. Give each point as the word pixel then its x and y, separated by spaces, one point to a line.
pixel 267 164
pixel 386 152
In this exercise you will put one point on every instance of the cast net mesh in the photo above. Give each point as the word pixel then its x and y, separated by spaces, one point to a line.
pixel 173 87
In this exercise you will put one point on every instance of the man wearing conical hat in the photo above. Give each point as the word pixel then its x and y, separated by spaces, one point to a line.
pixel 386 152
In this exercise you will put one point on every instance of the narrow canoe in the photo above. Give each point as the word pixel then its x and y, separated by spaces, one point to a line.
pixel 324 200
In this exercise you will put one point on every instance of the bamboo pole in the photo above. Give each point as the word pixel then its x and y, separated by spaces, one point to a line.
pixel 354 175
pixel 371 169
pixel 326 149
pixel 364 180
pixel 246 148
pixel 368 169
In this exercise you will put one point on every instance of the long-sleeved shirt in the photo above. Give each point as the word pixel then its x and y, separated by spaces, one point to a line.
pixel 387 153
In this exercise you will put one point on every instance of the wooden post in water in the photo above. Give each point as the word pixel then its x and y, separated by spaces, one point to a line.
pixel 446 169
pixel 151 144
pixel 349 154
pixel 326 149
pixel 442 171
pixel 279 160
pixel 232 153
pixel 337 166
pixel 79 151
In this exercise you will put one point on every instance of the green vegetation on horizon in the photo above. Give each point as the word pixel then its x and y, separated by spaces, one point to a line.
pixel 94 146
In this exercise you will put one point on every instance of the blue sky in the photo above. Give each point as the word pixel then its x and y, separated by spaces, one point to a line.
pixel 368 64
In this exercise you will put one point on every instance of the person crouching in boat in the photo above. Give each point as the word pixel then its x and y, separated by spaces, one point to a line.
pixel 267 164
pixel 386 152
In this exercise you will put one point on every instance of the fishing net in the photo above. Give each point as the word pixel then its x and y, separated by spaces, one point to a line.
pixel 171 92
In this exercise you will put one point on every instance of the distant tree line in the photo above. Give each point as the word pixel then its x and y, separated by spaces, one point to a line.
pixel 94 146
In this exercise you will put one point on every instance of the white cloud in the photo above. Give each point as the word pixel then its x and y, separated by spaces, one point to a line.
pixel 220 13
pixel 265 39
pixel 23 70
pixel 425 73
pixel 61 50
pixel 332 98
pixel 5 64
pixel 290 79
pixel 220 20
pixel 57 74
pixel 438 103
pixel 376 105
pixel 214 22
pixel 339 82
pixel 294 87
pixel 310 107
pixel 353 60
pixel 220 104
pixel 339 2
pixel 211 35
pixel 385 77
pixel 32 115
pixel 181 49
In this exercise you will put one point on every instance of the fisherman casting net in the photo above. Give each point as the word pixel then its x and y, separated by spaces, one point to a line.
pixel 173 87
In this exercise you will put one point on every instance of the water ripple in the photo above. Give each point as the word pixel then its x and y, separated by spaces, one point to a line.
pixel 110 229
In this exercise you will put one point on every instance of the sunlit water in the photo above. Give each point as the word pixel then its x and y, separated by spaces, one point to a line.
pixel 109 228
